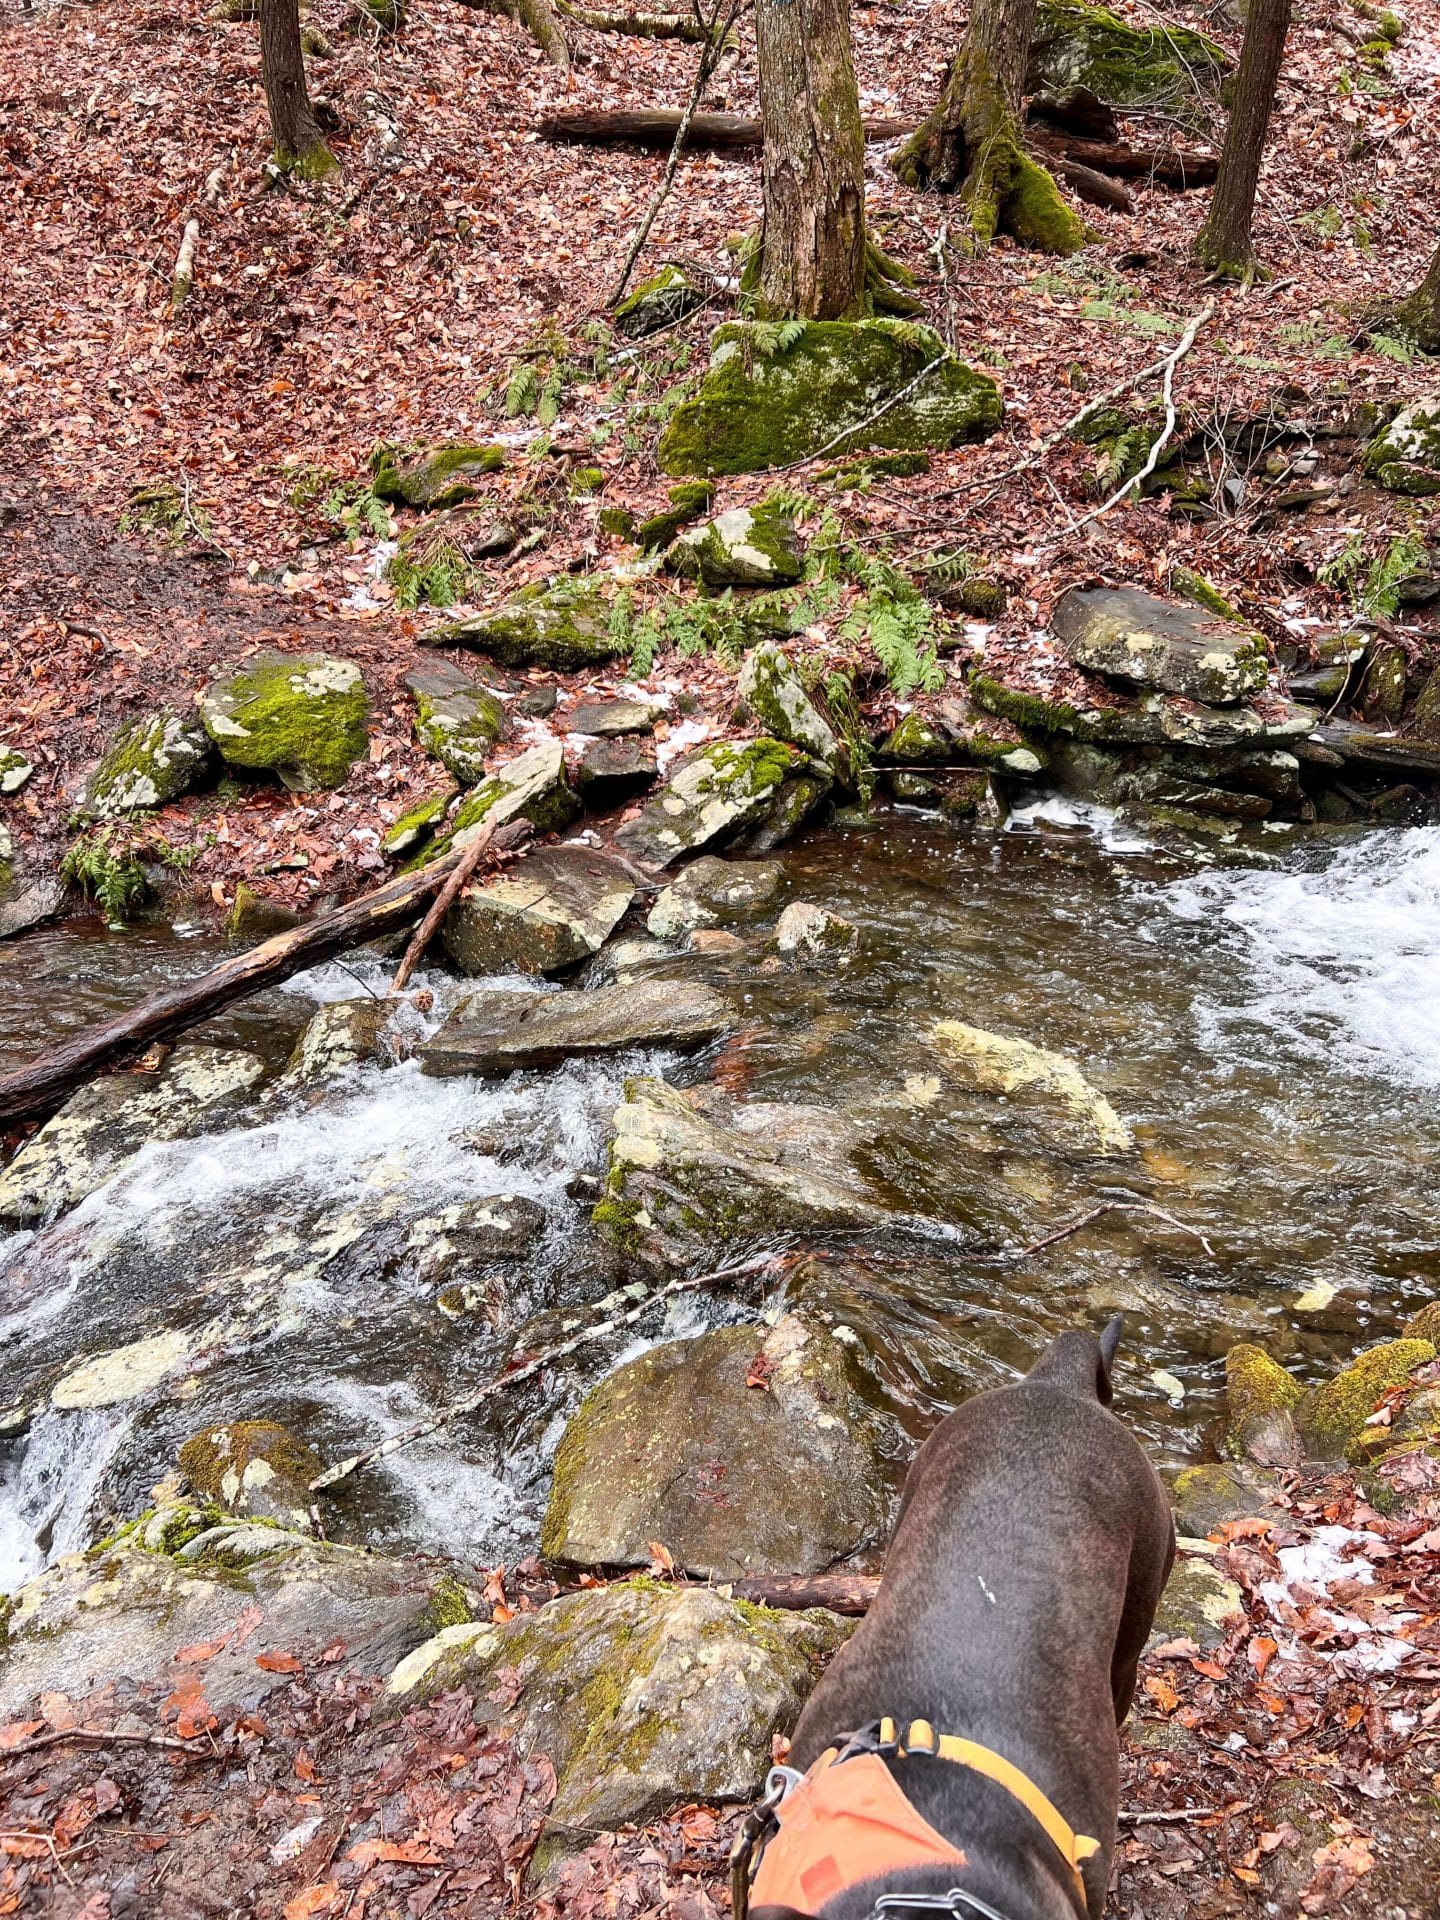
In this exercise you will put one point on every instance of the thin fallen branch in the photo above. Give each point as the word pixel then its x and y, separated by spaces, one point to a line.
pixel 1165 1816
pixel 183 278
pixel 514 1376
pixel 1133 485
pixel 716 33
pixel 108 1738
pixel 1116 1206
pixel 440 906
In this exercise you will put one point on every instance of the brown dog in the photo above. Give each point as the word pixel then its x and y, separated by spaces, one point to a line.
pixel 1033 1544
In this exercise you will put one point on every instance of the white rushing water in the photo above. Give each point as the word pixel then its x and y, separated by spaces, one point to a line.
pixel 1343 958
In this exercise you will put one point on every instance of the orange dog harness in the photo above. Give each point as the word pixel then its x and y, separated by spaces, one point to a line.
pixel 849 1822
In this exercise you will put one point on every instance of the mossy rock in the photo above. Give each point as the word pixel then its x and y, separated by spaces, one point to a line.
pixel 253 1467
pixel 914 742
pixel 418 824
pixel 1424 1325
pixel 156 758
pixel 1382 691
pixel 713 797
pixel 15 771
pixel 455 719
pixel 440 476
pixel 532 785
pixel 1405 456
pixel 1199 1603
pixel 301 716
pixel 1260 1402
pixel 1194 586
pixel 772 689
pixel 663 300
pixel 711 892
pixel 762 405
pixel 1077 45
pixel 640 1696
pixel 1207 1496
pixel 1126 634
pixel 562 625
pixel 746 547
pixel 1334 1417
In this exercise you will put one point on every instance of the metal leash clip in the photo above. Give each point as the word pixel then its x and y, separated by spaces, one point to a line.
pixel 957 1902
pixel 756 1829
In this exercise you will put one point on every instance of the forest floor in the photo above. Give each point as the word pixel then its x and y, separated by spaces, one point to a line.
pixel 1290 1770
pixel 395 302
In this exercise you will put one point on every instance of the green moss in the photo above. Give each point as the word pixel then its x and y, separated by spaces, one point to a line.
pixel 688 502
pixel 301 716
pixel 764 404
pixel 459 729
pixel 151 760
pixel 449 1605
pixel 1424 1325
pixel 562 625
pixel 614 1219
pixel 618 522
pixel 663 300
pixel 1035 213
pixel 1196 587
pixel 752 766
pixel 1258 1391
pixel 208 1456
pixel 1335 1417
pixel 435 477
pixel 915 742
pixel 1076 44
pixel 548 811
pixel 585 481
pixel 418 823
pixel 1032 709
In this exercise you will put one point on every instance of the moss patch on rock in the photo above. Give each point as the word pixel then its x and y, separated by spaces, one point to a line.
pixel 1078 45
pixel 562 625
pixel 302 717
pixel 455 719
pixel 149 761
pixel 253 1467
pixel 435 477
pixel 761 404
pixel 717 794
pixel 418 824
pixel 1335 1415
pixel 663 300
pixel 1260 1402
pixel 746 547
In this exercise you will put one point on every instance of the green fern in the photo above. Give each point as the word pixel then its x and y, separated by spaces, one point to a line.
pixel 106 867
pixel 897 621
pixel 522 390
pixel 552 393
pixel 944 569
pixel 1391 348
pixel 1374 590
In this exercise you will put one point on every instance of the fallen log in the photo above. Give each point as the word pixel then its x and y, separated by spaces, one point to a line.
pixel 644 26
pixel 840 1592
pixel 34 1092
pixel 1167 166
pixel 656 128
pixel 1098 188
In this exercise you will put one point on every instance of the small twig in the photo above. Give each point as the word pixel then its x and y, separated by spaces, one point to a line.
pixel 440 906
pixel 104 1734
pixel 1116 1206
pixel 513 1378
pixel 205 539
pixel 184 276
pixel 20 1833
pixel 1165 1815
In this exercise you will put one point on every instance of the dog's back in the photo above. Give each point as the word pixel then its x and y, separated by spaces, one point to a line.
pixel 1033 1544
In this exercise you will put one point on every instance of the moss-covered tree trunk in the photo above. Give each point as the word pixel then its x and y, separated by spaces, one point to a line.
pixel 1224 243
pixel 1418 314
pixel 294 130
pixel 971 143
pixel 812 257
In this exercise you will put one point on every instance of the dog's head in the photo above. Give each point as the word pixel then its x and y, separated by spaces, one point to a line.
pixel 1081 1361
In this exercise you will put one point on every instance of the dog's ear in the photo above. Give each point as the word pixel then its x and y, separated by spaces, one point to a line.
pixel 1109 1341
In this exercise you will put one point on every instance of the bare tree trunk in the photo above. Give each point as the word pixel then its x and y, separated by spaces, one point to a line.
pixel 972 141
pixel 294 130
pixel 1418 314
pixel 1224 244
pixel 813 259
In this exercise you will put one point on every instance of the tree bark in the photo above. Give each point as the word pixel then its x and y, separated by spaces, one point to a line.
pixel 972 142
pixel 294 131
pixel 1224 243
pixel 812 260
pixel 1418 314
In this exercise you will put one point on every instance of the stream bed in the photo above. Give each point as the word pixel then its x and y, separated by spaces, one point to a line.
pixel 1267 1025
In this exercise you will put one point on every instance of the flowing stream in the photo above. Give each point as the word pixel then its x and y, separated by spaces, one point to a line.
pixel 1270 1031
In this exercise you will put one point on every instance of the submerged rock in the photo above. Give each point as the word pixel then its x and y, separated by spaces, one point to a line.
pixel 746 547
pixel 105 1123
pixel 126 1610
pixel 997 1063
pixel 532 786
pixel 690 1171
pixel 1130 635
pixel 711 891
pixel 680 1446
pixel 457 1245
pixel 639 1696
pixel 814 932
pixel 440 476
pixel 497 1033
pixel 455 719
pixel 718 793
pixel 774 692
pixel 764 405
pixel 343 1033
pixel 663 300
pixel 253 1467
pixel 563 625
pixel 150 760
pixel 301 716
pixel 554 910
pixel 1405 456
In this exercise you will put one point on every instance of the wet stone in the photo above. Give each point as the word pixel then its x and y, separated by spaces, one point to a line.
pixel 499 1033
pixel 717 795
pixel 711 891
pixel 343 1033
pixel 253 1467
pixel 555 909
pixel 461 1241
pixel 1159 644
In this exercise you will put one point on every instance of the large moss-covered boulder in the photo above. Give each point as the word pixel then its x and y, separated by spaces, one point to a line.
pixel 562 625
pixel 497 1033
pixel 552 911
pixel 440 476
pixel 679 1446
pixel 301 716
pixel 105 1123
pixel 762 404
pixel 179 1577
pixel 1405 457
pixel 150 760
pixel 1078 45
pixel 774 692
pixel 745 547
pixel 663 300
pixel 713 893
pixel 253 1467
pixel 1333 1419
pixel 532 786
pixel 1132 636
pixel 640 1696
pixel 456 719
pixel 691 1171
pixel 1260 1402
pixel 717 794
pixel 1002 1064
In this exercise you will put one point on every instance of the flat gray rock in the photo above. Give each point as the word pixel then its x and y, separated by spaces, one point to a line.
pixel 608 719
pixel 492 1034
pixel 1161 644
pixel 552 911
pixel 611 771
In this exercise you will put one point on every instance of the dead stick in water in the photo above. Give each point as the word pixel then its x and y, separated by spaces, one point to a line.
pixel 513 1376
pixel 440 906
pixel 1116 1206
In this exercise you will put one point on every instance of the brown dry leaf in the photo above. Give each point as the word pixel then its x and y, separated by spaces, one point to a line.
pixel 278 1663
pixel 316 1899
pixel 662 1561
pixel 1162 1693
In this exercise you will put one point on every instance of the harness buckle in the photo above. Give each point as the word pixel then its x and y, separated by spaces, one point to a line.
pixel 755 1831
pixel 921 1738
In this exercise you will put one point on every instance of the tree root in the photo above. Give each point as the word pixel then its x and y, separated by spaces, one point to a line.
pixel 886 283
pixel 1005 189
